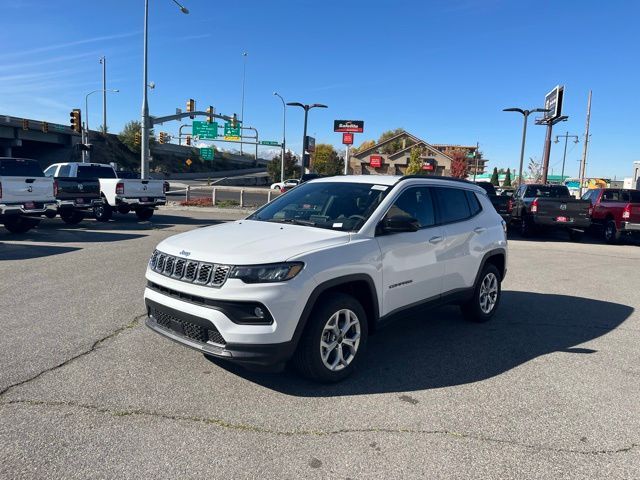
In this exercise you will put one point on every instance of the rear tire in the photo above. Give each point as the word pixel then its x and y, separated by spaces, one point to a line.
pixel 526 226
pixel 334 339
pixel 486 296
pixel 20 224
pixel 50 214
pixel 103 212
pixel 71 217
pixel 611 233
pixel 144 213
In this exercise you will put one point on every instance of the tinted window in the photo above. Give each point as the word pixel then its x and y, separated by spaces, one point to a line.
pixel 452 204
pixel 488 187
pixel 415 203
pixel 65 171
pixel 547 191
pixel 95 171
pixel 49 172
pixel 611 196
pixel 474 203
pixel 15 167
pixel 635 196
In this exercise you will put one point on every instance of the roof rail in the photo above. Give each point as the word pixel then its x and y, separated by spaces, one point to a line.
pixel 435 177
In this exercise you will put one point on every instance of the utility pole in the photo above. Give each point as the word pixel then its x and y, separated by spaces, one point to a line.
pixel 475 170
pixel 566 137
pixel 103 61
pixel 546 153
pixel 244 72
pixel 583 164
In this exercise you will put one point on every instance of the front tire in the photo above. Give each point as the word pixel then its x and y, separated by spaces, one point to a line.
pixel 334 339
pixel 20 224
pixel 486 296
pixel 144 213
pixel 72 217
pixel 103 212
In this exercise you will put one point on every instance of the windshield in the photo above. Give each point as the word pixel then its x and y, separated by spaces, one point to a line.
pixel 332 205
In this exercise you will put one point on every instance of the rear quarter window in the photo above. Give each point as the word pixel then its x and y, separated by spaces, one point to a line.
pixel 474 203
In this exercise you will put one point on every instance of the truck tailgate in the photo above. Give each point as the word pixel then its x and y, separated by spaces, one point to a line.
pixel 563 210
pixel 134 188
pixel 72 188
pixel 20 189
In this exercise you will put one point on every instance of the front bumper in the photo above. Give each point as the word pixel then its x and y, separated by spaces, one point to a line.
pixel 200 334
pixel 141 202
pixel 39 208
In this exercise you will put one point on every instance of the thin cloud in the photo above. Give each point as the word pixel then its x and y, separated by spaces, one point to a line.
pixel 59 59
pixel 196 37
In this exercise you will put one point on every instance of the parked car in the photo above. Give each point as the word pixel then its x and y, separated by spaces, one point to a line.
pixel 500 203
pixel 75 197
pixel 310 275
pixel 25 194
pixel 615 212
pixel 290 183
pixel 543 207
pixel 121 194
pixel 305 178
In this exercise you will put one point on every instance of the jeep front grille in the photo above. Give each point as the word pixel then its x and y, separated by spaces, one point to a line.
pixel 201 273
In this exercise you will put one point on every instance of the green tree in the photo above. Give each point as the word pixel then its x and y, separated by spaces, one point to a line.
pixel 415 162
pixel 128 135
pixel 291 170
pixel 394 146
pixel 507 178
pixel 494 177
pixel 325 160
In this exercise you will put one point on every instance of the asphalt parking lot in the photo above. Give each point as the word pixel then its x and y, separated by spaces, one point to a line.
pixel 548 389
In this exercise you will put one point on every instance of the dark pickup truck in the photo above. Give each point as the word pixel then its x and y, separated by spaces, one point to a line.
pixel 539 207
pixel 75 197
pixel 500 202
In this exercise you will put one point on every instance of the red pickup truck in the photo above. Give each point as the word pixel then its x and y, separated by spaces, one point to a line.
pixel 616 211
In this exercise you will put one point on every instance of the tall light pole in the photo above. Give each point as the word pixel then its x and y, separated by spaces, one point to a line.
pixel 86 117
pixel 306 109
pixel 284 132
pixel 566 137
pixel 103 62
pixel 525 114
pixel 244 74
pixel 145 127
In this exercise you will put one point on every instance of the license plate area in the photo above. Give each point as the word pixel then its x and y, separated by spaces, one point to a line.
pixel 80 201
pixel 29 205
pixel 563 219
pixel 145 199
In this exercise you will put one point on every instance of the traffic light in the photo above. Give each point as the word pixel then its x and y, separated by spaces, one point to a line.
pixel 191 107
pixel 234 120
pixel 25 124
pixel 164 138
pixel 136 138
pixel 76 122
pixel 188 140
pixel 210 113
pixel 45 127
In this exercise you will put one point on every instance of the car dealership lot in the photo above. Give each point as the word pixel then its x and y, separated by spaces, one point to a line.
pixel 547 389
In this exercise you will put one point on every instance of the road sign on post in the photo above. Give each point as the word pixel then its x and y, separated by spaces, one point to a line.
pixel 206 153
pixel 205 130
pixel 231 130
pixel 347 138
pixel 188 162
pixel 270 143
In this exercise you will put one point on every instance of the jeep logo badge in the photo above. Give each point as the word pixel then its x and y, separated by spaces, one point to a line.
pixel 184 253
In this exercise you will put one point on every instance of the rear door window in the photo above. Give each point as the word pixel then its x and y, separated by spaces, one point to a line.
pixel 452 204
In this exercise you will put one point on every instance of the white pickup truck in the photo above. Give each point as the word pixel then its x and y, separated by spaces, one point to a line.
pixel 121 194
pixel 25 194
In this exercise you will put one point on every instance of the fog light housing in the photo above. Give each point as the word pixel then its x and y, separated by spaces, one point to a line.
pixel 258 312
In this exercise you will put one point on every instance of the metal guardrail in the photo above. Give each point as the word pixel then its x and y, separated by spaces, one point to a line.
pixel 214 189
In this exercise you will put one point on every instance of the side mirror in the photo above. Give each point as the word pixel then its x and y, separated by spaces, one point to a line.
pixel 398 224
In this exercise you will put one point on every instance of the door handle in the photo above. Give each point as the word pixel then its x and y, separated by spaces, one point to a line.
pixel 479 230
pixel 436 239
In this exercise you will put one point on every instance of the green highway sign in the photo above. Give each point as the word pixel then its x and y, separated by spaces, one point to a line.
pixel 270 142
pixel 205 130
pixel 230 131
pixel 206 153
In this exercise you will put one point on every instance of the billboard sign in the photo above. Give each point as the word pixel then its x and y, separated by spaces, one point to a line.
pixel 375 161
pixel 348 126
pixel 347 138
pixel 553 103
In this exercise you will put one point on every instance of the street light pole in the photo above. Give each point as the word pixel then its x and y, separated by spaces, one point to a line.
pixel 306 109
pixel 244 72
pixel 566 137
pixel 284 132
pixel 103 61
pixel 86 116
pixel 525 115
pixel 146 123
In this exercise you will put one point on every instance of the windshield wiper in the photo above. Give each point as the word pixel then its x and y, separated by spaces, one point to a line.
pixel 294 221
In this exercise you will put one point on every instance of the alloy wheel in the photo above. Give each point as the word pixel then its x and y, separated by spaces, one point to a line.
pixel 488 293
pixel 340 340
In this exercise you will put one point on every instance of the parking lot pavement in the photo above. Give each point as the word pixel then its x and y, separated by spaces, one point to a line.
pixel 548 389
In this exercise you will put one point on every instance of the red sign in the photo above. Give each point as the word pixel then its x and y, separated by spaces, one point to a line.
pixel 347 138
pixel 375 161
pixel 428 165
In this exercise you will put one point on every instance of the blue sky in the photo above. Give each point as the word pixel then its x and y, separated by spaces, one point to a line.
pixel 443 69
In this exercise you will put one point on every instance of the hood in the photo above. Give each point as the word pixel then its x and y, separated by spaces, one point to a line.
pixel 248 242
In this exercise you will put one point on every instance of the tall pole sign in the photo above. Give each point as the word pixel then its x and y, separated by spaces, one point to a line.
pixel 348 128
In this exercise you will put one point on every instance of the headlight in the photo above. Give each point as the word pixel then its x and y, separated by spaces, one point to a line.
pixel 275 272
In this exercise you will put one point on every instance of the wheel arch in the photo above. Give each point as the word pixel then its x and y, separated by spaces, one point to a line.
pixel 496 257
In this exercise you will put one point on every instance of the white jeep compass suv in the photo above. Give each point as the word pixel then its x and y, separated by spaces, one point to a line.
pixel 312 274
